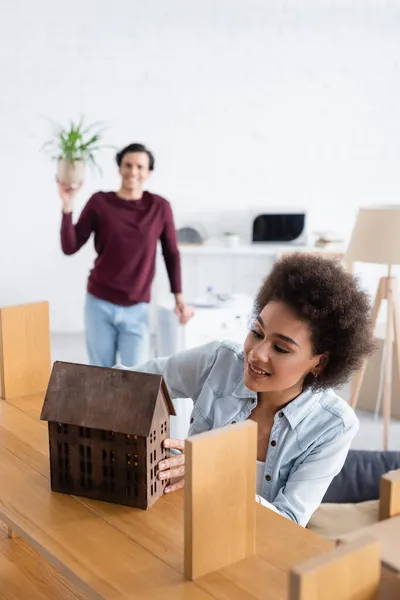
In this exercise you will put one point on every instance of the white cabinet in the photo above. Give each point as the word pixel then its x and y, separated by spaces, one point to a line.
pixel 213 271
pixel 226 272
pixel 229 321
pixel 249 271
pixel 190 274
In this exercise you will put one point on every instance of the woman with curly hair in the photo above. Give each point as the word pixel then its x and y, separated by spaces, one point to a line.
pixel 311 329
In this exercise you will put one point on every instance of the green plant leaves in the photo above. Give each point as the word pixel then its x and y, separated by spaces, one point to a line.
pixel 77 142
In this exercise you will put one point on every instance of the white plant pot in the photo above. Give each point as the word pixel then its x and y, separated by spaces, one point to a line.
pixel 232 241
pixel 70 173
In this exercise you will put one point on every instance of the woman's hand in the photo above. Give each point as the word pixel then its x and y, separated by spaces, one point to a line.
pixel 173 467
pixel 184 312
pixel 67 195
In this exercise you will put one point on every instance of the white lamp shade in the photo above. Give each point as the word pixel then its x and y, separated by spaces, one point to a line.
pixel 376 236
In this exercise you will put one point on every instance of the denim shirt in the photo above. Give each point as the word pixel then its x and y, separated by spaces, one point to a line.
pixel 313 433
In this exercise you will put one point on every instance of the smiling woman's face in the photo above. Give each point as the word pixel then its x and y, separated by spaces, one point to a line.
pixel 278 351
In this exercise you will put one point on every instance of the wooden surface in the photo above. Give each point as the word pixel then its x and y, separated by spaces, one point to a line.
pixel 389 495
pixel 349 572
pixel 387 532
pixel 25 575
pixel 24 349
pixel 220 483
pixel 126 553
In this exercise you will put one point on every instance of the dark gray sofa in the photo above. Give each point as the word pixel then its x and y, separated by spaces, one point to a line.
pixel 359 479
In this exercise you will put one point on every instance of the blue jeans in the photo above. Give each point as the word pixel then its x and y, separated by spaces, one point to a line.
pixel 112 330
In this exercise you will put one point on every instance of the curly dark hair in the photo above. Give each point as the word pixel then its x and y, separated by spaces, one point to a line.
pixel 332 302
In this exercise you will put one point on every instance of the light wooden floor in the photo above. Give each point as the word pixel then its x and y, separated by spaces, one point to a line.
pixel 24 575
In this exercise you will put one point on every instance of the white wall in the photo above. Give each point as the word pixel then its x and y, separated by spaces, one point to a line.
pixel 245 103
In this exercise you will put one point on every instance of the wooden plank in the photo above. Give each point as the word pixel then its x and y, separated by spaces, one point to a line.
pixel 17 446
pixel 280 544
pixel 279 541
pixel 24 349
pixel 220 480
pixel 31 431
pixel 30 405
pixel 387 532
pixel 249 578
pixel 389 495
pixel 87 550
pixel 349 572
pixel 25 574
pixel 291 543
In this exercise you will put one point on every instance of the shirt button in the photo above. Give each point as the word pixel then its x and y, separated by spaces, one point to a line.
pixel 268 477
pixel 191 420
pixel 273 443
pixel 280 415
pixel 253 400
pixel 233 422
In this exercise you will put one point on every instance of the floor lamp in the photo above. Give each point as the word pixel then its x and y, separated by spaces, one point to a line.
pixel 376 239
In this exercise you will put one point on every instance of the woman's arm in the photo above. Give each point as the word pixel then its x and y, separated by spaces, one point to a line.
pixel 73 237
pixel 309 480
pixel 186 372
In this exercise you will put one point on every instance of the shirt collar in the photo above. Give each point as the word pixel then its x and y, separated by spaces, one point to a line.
pixel 295 411
pixel 298 408
pixel 242 391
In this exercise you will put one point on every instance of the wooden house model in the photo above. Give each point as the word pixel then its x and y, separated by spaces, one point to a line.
pixel 106 432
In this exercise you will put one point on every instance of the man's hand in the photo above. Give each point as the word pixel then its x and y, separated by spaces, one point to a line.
pixel 184 312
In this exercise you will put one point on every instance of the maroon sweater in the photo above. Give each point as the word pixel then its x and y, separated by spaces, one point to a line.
pixel 125 237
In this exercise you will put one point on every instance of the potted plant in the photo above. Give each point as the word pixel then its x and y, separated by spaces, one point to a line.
pixel 231 239
pixel 74 147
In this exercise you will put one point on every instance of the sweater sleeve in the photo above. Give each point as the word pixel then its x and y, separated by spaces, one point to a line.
pixel 170 251
pixel 73 237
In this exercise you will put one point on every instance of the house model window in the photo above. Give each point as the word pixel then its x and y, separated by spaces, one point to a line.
pixel 106 433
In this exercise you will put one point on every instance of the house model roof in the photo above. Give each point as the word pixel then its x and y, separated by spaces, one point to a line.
pixel 116 400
